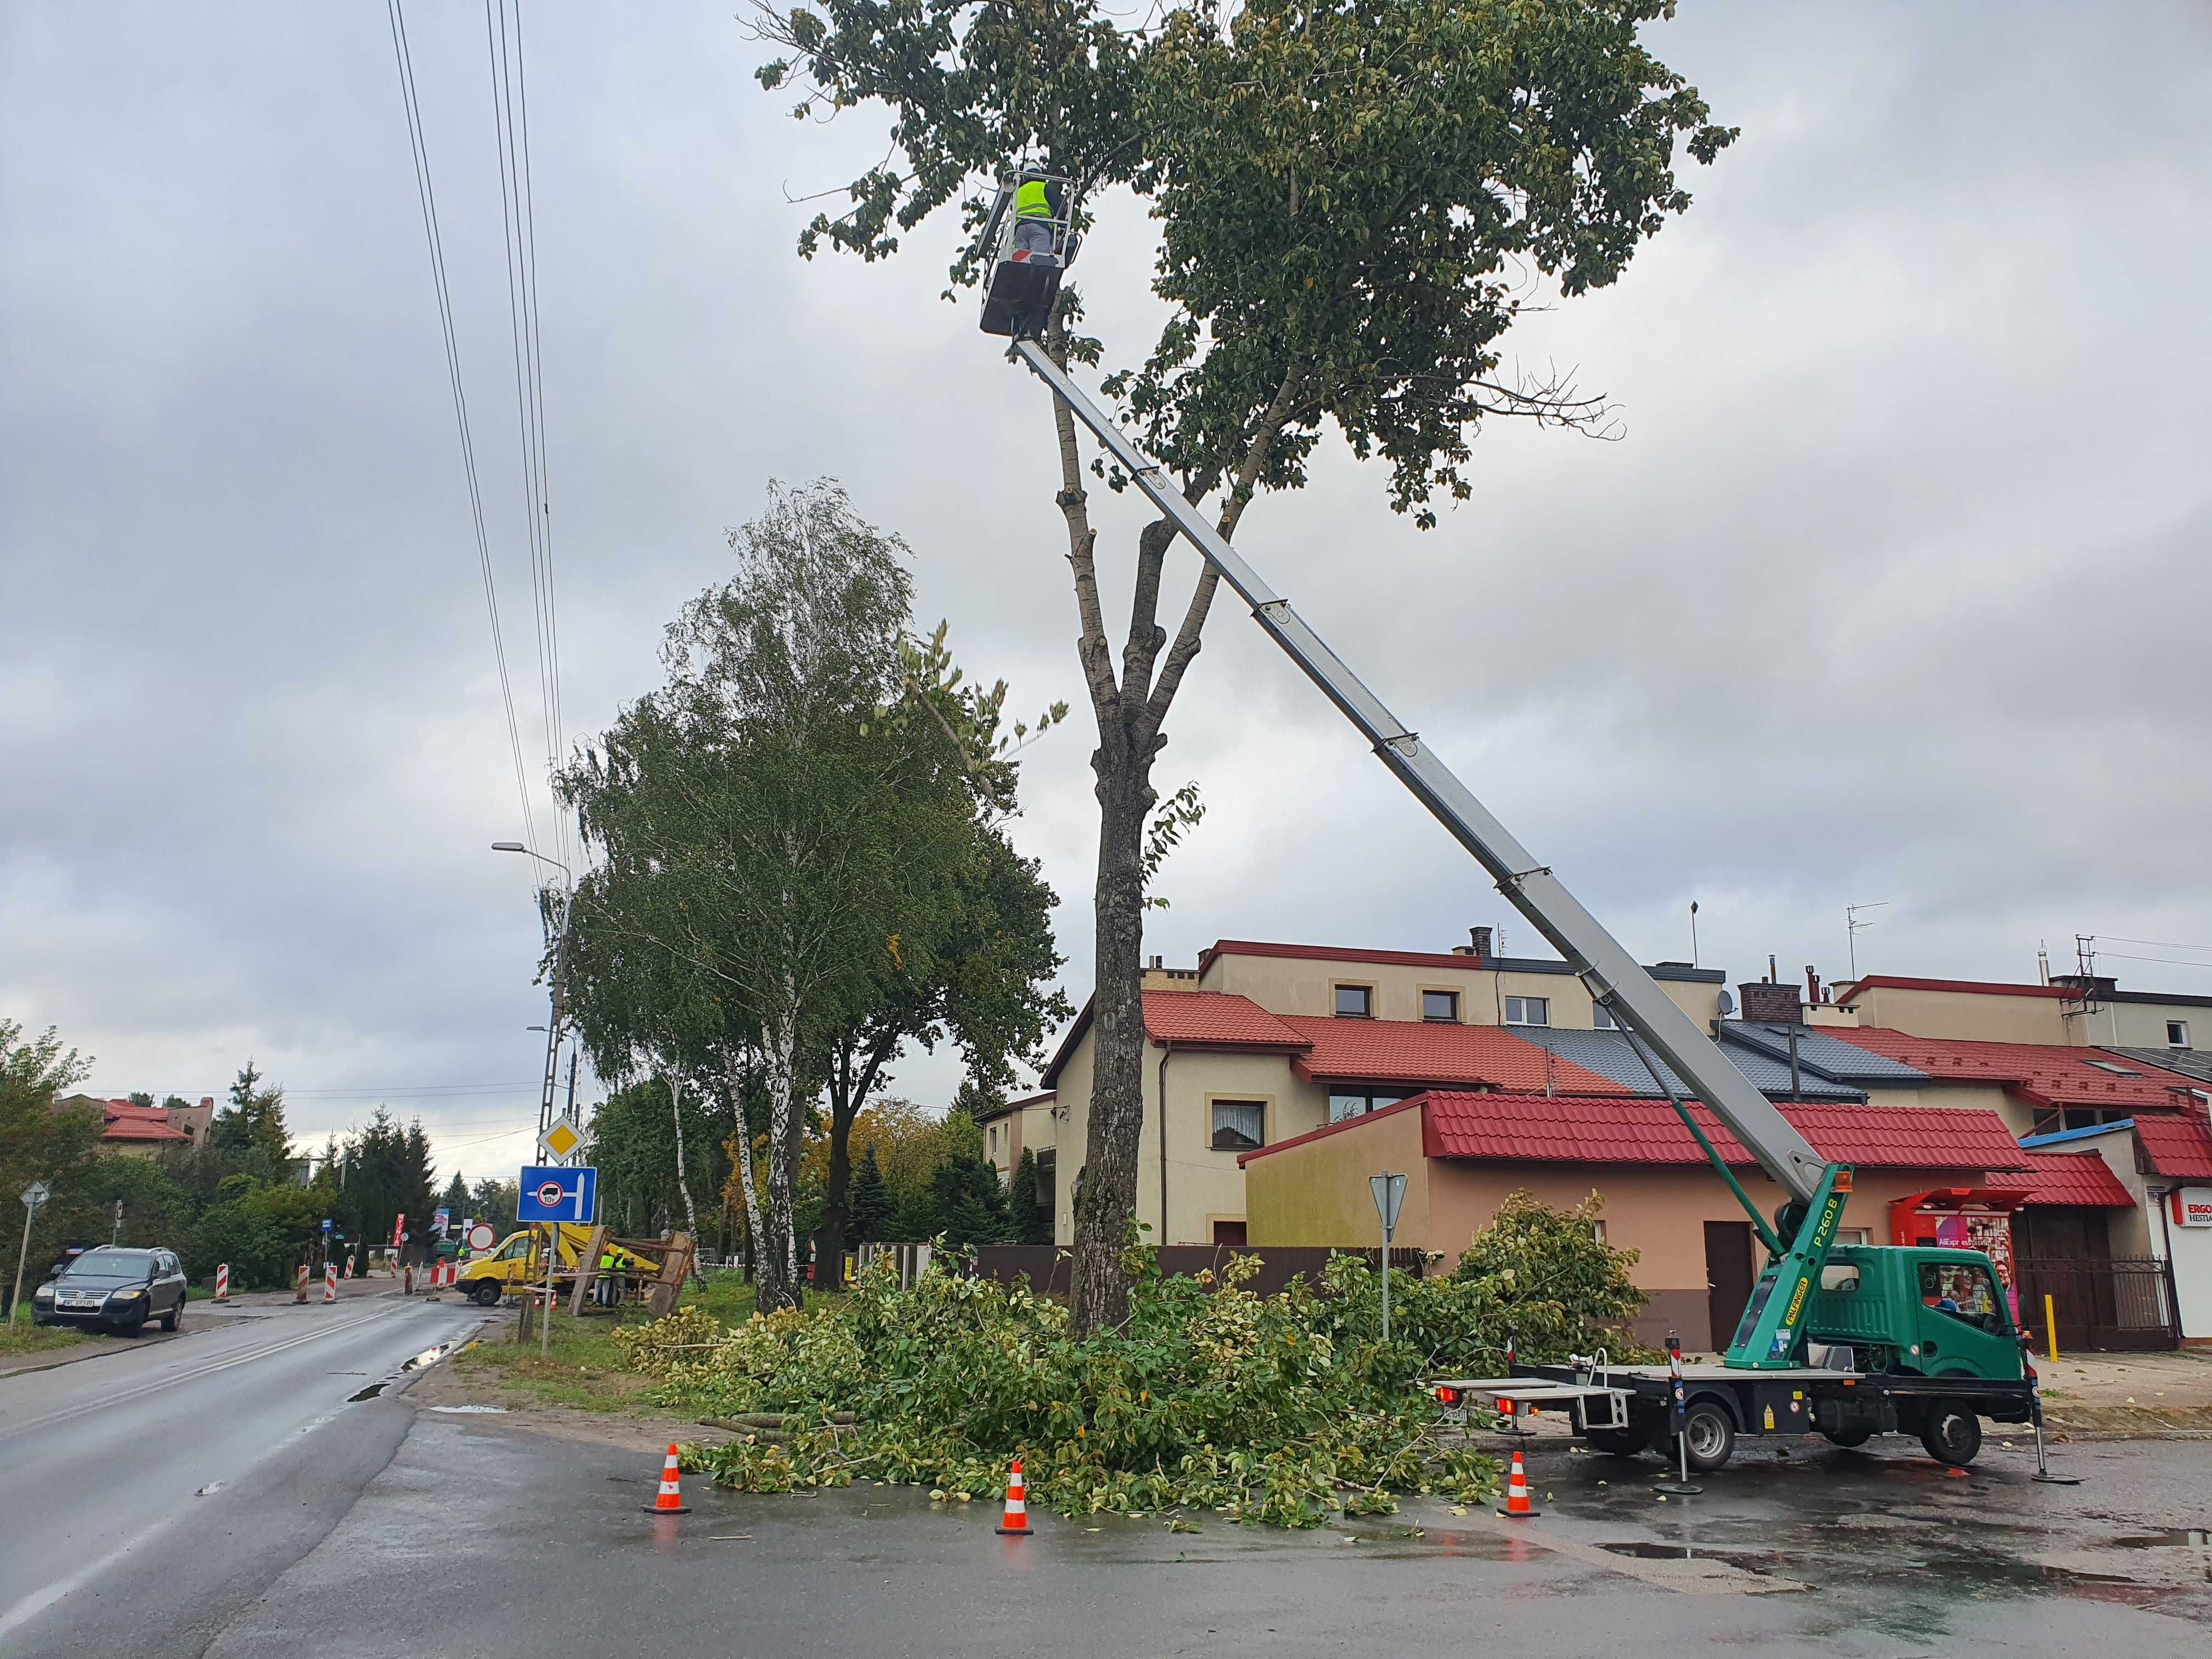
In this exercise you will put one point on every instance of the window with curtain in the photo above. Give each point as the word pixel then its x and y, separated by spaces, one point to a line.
pixel 1239 1125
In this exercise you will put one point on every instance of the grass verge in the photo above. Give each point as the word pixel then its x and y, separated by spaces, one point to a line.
pixel 22 1337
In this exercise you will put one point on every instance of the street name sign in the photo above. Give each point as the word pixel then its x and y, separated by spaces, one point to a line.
pixel 557 1193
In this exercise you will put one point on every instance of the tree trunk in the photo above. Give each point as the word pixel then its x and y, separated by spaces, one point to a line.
pixel 741 1154
pixel 682 1182
pixel 1106 1194
pixel 776 1282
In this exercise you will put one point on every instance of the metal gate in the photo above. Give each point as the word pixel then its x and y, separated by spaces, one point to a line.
pixel 2123 1305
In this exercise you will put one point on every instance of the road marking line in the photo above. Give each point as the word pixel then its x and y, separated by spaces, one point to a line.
pixel 174 1379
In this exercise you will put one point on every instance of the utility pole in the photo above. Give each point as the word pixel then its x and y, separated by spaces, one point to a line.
pixel 558 938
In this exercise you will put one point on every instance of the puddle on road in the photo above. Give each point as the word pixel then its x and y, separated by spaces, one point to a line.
pixel 1758 1561
pixel 368 1393
pixel 428 1356
pixel 2169 1538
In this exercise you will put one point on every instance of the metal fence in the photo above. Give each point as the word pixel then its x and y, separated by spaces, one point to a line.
pixel 2123 1305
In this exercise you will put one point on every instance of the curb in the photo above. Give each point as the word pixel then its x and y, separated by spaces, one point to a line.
pixel 137 1345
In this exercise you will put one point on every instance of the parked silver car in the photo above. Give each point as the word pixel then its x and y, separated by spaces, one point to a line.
pixel 118 1289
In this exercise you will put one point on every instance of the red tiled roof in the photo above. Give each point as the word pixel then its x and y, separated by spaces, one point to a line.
pixel 2065 1178
pixel 1428 1053
pixel 1198 1020
pixel 2040 1073
pixel 1570 1130
pixel 137 1127
pixel 1584 1129
pixel 1215 1017
pixel 2178 1147
pixel 1973 986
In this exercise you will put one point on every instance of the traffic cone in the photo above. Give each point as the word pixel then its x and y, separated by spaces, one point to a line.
pixel 670 1501
pixel 1016 1521
pixel 1517 1492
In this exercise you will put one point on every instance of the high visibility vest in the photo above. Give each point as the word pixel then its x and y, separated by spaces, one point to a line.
pixel 1030 201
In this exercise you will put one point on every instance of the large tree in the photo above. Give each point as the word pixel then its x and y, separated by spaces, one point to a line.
pixel 1343 194
pixel 795 859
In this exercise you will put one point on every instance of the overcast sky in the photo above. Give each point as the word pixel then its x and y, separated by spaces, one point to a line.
pixel 1893 588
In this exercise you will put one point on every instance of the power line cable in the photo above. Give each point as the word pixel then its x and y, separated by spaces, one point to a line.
pixel 428 196
pixel 518 230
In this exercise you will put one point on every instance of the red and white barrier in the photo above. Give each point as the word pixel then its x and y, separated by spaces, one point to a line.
pixel 222 1281
pixel 331 1281
pixel 300 1284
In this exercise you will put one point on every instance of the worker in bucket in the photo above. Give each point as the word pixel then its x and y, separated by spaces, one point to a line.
pixel 1039 200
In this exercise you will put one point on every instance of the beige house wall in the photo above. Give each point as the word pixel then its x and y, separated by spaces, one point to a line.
pixel 1971 1014
pixel 2143 1024
pixel 1299 985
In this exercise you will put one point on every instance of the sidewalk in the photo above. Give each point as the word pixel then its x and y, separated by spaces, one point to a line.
pixel 2130 1394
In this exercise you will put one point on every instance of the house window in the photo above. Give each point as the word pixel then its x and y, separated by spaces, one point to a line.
pixel 1528 1011
pixel 1355 1002
pixel 1239 1125
pixel 2107 1066
pixel 2177 1034
pixel 1597 1229
pixel 1601 1018
pixel 1444 1005
pixel 994 1140
pixel 1342 1106
pixel 2079 1117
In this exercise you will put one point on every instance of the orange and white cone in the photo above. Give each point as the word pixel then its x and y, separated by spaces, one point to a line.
pixel 669 1500
pixel 1016 1521
pixel 1517 1492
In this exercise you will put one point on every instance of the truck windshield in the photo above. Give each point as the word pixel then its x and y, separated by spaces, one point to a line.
pixel 1965 1292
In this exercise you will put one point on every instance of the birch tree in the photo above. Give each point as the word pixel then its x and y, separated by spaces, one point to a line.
pixel 765 828
pixel 1347 197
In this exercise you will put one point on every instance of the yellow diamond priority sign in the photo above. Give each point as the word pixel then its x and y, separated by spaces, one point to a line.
pixel 562 1140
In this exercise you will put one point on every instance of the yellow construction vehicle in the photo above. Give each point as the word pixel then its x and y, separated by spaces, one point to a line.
pixel 518 1262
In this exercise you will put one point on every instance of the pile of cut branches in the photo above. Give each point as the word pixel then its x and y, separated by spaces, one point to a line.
pixel 1284 1409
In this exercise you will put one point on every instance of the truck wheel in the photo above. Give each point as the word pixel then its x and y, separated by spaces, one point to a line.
pixel 1952 1434
pixel 1710 1434
pixel 485 1294
pixel 1621 1443
pixel 1847 1438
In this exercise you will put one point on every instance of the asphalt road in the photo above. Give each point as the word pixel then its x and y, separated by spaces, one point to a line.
pixel 515 1544
pixel 149 1495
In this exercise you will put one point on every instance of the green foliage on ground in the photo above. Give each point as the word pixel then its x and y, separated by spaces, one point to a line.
pixel 1284 1409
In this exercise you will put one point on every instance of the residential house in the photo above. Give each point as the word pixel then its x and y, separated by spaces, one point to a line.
pixel 143 1130
pixel 2072 1011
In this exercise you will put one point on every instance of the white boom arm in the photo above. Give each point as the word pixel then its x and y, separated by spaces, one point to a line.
pixel 1613 976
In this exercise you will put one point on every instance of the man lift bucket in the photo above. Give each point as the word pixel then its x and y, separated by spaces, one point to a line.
pixel 1029 241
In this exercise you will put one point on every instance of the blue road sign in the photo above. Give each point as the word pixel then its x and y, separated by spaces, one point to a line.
pixel 553 1192
pixel 326 1224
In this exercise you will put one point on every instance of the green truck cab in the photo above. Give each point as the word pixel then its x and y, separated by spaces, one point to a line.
pixel 1917 1312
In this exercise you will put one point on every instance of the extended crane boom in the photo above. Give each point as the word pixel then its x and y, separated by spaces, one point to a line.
pixel 1613 976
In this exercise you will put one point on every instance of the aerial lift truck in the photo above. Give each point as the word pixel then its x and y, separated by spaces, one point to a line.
pixel 1848 1342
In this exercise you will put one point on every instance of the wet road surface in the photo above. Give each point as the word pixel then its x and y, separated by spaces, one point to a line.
pixel 150 1494
pixel 513 1543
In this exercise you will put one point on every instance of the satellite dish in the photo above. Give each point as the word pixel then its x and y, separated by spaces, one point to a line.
pixel 1728 1005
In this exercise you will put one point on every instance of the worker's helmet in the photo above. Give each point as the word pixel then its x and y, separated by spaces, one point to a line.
pixel 1032 171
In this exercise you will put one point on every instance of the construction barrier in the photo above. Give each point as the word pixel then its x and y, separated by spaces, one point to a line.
pixel 1016 1522
pixel 331 1281
pixel 300 1284
pixel 222 1281
pixel 1516 1492
pixel 670 1499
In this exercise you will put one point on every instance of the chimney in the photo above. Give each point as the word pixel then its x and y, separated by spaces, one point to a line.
pixel 1480 944
pixel 1766 1001
pixel 1159 962
pixel 1812 985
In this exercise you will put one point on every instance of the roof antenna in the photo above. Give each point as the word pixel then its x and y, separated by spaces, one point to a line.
pixel 1693 932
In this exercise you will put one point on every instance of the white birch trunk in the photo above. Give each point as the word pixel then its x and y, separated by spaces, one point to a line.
pixel 782 1173
pixel 744 1160
pixel 683 1181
